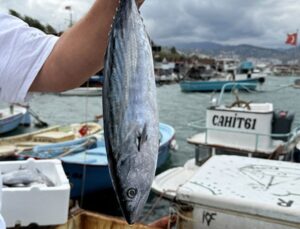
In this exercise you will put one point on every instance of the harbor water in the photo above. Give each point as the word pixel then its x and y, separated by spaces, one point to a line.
pixel 176 109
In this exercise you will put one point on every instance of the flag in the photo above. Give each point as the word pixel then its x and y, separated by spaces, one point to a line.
pixel 67 7
pixel 292 39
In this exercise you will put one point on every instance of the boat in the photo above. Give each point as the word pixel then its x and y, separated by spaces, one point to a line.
pixel 58 136
pixel 296 154
pixel 83 91
pixel 165 72
pixel 201 73
pixel 12 117
pixel 224 71
pixel 230 191
pixel 84 219
pixel 244 128
pixel 216 84
pixel 88 170
pixel 96 80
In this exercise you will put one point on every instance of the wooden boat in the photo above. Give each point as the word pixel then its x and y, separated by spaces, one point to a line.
pixel 83 91
pixel 85 168
pixel 83 219
pixel 216 84
pixel 243 128
pixel 55 135
pixel 11 118
pixel 230 191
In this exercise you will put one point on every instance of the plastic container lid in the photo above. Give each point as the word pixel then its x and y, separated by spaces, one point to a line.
pixel 251 186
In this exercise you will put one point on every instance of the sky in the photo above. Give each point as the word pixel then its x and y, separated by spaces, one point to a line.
pixel 262 23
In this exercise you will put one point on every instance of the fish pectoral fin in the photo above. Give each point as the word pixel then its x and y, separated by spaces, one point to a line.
pixel 142 137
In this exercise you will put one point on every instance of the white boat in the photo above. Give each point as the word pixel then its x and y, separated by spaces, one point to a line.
pixel 233 192
pixel 11 118
pixel 164 72
pixel 245 128
pixel 83 91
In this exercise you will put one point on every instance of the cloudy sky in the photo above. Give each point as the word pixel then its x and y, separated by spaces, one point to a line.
pixel 256 22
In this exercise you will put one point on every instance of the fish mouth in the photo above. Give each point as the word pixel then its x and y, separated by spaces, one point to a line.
pixel 131 216
pixel 130 220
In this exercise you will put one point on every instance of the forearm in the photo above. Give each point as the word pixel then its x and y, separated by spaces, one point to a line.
pixel 79 52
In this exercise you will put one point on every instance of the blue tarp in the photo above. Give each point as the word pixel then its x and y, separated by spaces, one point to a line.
pixel 247 65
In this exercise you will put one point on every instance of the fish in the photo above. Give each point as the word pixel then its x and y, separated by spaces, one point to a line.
pixel 25 178
pixel 130 112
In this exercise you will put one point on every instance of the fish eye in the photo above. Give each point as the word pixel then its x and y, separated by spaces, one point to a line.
pixel 131 193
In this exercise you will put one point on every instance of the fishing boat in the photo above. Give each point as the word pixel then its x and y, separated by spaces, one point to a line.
pixel 83 91
pixel 223 71
pixel 88 171
pixel 216 84
pixel 244 128
pixel 12 117
pixel 233 192
pixel 84 219
pixel 56 136
pixel 164 72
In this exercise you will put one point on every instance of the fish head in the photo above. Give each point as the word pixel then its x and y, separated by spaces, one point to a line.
pixel 136 171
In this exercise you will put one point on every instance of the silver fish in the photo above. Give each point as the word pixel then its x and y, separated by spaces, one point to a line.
pixel 25 177
pixel 131 125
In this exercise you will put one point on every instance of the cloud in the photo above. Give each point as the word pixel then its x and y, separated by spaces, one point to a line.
pixel 256 22
pixel 51 12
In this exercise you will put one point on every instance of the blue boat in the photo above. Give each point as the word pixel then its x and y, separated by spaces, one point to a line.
pixel 11 118
pixel 88 171
pixel 94 81
pixel 216 85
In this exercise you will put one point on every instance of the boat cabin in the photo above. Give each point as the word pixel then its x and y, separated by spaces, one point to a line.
pixel 243 128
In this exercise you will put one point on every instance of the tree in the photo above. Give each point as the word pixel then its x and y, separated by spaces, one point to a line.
pixel 173 50
pixel 34 23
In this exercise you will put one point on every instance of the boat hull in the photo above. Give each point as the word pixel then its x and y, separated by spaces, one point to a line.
pixel 209 86
pixel 87 220
pixel 87 178
pixel 83 91
pixel 12 121
pixel 88 173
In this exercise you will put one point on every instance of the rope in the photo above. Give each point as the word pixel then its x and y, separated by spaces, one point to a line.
pixel 174 210
pixel 186 218
pixel 162 195
pixel 84 155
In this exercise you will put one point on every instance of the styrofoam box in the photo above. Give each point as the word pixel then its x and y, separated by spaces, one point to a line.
pixel 36 205
pixel 240 192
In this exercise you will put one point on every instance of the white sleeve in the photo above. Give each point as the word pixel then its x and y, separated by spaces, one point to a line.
pixel 23 51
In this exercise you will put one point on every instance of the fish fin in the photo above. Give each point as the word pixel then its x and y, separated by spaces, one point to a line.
pixel 142 137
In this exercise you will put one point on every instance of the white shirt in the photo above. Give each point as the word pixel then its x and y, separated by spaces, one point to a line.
pixel 23 51
pixel 2 222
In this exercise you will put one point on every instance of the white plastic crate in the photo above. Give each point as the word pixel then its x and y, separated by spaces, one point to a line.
pixel 36 205
pixel 240 192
